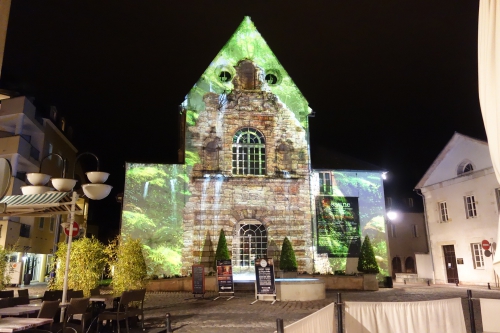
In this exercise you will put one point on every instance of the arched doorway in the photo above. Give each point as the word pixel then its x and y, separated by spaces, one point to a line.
pixel 396 266
pixel 249 243
pixel 410 265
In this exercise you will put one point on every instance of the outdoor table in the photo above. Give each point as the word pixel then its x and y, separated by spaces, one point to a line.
pixel 17 311
pixel 12 324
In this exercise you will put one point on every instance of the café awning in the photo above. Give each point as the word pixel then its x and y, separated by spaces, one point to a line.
pixel 47 204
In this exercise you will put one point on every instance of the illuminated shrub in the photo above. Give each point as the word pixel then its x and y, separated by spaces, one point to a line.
pixel 367 262
pixel 288 262
pixel 87 261
pixel 222 253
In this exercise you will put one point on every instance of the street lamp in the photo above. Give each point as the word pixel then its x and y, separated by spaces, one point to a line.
pixel 96 190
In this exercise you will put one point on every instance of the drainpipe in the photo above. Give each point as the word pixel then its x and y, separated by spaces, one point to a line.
pixel 426 221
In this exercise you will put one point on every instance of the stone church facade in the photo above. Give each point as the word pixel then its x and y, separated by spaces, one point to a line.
pixel 252 172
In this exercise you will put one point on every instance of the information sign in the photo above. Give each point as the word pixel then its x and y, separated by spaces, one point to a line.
pixel 225 276
pixel 198 279
pixel 264 276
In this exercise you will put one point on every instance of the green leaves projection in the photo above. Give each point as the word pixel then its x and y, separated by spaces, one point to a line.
pixel 246 43
pixel 155 198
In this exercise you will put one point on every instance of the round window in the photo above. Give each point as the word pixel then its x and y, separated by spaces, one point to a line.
pixel 225 76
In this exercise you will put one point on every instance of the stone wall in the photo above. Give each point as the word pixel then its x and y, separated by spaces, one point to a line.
pixel 279 199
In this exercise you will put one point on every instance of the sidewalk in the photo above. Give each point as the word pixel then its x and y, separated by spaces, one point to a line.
pixel 237 315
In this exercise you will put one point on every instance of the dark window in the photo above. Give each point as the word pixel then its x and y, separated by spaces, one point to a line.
pixel 25 230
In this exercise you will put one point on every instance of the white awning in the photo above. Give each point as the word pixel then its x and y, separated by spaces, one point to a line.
pixel 47 204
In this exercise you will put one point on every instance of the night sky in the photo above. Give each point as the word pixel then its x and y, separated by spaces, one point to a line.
pixel 390 81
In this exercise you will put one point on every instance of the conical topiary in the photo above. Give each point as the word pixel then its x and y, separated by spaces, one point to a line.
pixel 367 262
pixel 222 253
pixel 288 262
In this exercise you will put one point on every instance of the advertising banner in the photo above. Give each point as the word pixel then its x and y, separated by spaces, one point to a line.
pixel 225 276
pixel 264 276
pixel 338 226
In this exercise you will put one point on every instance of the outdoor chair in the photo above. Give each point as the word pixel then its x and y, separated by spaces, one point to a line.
pixel 74 294
pixel 6 293
pixel 15 301
pixel 76 315
pixel 95 292
pixel 124 310
pixel 49 309
pixel 52 295
pixel 4 302
pixel 23 293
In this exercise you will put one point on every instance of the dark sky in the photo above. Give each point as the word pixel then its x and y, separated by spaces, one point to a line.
pixel 390 80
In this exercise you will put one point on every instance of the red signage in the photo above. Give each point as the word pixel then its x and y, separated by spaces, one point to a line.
pixel 76 229
pixel 486 245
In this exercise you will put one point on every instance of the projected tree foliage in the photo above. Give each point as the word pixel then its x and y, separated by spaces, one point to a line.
pixel 354 207
pixel 154 199
pixel 247 43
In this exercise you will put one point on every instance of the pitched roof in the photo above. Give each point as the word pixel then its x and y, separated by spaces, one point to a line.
pixel 455 139
pixel 247 43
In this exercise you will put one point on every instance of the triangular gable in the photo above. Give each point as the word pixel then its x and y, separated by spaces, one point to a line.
pixel 459 148
pixel 246 43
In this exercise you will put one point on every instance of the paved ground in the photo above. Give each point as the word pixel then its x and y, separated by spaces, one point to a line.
pixel 237 315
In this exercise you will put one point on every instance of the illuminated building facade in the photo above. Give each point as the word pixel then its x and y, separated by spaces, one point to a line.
pixel 246 170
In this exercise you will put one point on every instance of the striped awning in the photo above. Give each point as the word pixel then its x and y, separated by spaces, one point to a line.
pixel 46 204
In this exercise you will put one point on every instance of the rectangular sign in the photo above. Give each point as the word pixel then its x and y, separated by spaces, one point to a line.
pixel 264 276
pixel 338 226
pixel 225 276
pixel 198 279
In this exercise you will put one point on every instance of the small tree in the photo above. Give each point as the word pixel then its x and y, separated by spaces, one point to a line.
pixel 87 260
pixel 288 262
pixel 222 252
pixel 126 256
pixel 366 261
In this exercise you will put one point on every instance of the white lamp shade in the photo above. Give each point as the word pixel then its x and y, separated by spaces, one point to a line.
pixel 36 178
pixel 35 189
pixel 63 184
pixel 97 177
pixel 96 191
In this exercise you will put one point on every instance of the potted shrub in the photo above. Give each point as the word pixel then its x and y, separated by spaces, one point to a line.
pixel 367 264
pixel 288 262
pixel 222 253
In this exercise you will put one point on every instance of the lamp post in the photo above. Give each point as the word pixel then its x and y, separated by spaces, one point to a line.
pixel 96 190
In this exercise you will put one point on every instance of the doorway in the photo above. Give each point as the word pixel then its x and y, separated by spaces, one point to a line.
pixel 396 266
pixel 249 243
pixel 450 262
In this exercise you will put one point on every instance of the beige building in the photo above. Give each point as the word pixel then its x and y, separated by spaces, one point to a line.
pixel 28 141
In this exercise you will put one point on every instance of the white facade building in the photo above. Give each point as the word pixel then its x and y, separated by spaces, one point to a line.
pixel 461 198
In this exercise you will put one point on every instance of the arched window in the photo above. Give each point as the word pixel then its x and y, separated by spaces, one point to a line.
pixel 249 243
pixel 410 265
pixel 464 167
pixel 249 152
pixel 396 266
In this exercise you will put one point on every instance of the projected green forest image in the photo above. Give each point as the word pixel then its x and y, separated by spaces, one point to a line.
pixel 352 207
pixel 154 199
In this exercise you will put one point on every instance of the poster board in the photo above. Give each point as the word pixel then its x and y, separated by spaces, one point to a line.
pixel 338 226
pixel 225 276
pixel 198 279
pixel 225 282
pixel 14 272
pixel 264 279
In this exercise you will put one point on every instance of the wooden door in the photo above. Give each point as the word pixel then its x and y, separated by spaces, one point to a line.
pixel 451 263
